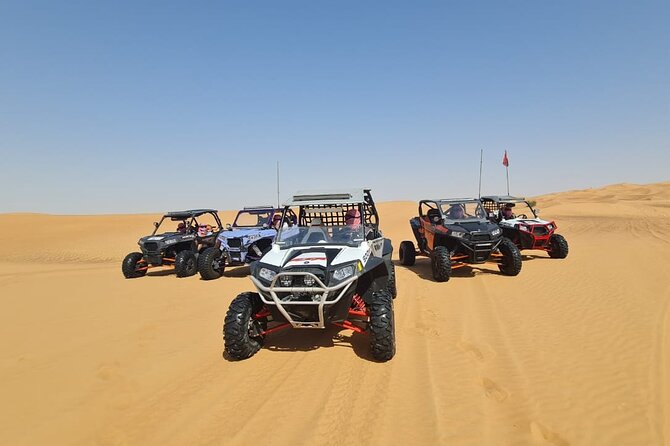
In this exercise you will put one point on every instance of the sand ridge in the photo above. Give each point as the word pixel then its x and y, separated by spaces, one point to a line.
pixel 570 352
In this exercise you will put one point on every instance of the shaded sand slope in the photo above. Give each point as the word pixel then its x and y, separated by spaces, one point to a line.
pixel 570 352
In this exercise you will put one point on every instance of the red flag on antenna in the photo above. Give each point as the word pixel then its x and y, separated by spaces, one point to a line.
pixel 505 160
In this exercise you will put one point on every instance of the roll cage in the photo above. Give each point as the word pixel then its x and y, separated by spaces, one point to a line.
pixel 331 207
pixel 433 209
pixel 188 217
pixel 494 203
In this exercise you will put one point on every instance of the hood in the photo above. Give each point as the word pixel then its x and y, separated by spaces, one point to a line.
pixel 167 236
pixel 314 256
pixel 529 221
pixel 239 233
pixel 473 226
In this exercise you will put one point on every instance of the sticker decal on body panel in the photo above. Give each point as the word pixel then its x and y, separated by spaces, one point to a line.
pixel 377 247
pixel 366 256
pixel 309 259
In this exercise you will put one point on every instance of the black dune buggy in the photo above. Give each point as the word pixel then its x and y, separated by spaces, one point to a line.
pixel 455 233
pixel 179 247
pixel 523 225
pixel 332 267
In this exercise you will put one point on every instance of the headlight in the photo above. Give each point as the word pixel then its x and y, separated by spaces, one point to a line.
pixel 550 227
pixel 524 228
pixel 495 231
pixel 253 237
pixel 170 242
pixel 457 234
pixel 267 274
pixel 308 280
pixel 343 273
pixel 286 281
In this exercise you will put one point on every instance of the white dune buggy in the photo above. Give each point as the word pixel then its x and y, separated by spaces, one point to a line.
pixel 332 267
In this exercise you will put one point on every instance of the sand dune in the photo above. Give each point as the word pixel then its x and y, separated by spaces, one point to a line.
pixel 570 352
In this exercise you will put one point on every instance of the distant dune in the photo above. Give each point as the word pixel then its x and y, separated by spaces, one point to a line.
pixel 570 352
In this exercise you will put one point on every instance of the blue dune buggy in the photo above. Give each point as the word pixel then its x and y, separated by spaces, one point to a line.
pixel 249 237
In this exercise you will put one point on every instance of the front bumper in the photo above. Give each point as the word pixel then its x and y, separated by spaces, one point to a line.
pixel 320 297
pixel 479 252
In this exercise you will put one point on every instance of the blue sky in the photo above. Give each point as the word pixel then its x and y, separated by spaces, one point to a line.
pixel 151 106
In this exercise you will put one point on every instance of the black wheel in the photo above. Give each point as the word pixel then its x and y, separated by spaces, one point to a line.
pixel 558 247
pixel 392 286
pixel 185 264
pixel 211 263
pixel 440 262
pixel 133 265
pixel 407 253
pixel 510 264
pixel 241 333
pixel 382 326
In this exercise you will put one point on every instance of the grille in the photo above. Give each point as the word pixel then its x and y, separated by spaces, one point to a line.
pixel 234 242
pixel 480 237
pixel 318 272
pixel 540 230
pixel 151 246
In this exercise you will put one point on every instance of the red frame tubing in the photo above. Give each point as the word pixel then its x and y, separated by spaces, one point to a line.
pixel 349 326
pixel 263 313
pixel 543 238
pixel 277 328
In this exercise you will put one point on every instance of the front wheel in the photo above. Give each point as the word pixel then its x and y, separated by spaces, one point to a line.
pixel 440 262
pixel 392 286
pixel 382 326
pixel 211 263
pixel 133 265
pixel 510 264
pixel 407 253
pixel 558 247
pixel 185 264
pixel 241 332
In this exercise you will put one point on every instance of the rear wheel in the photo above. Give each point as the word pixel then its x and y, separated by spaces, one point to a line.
pixel 185 264
pixel 241 332
pixel 510 264
pixel 407 253
pixel 382 326
pixel 558 247
pixel 133 265
pixel 440 262
pixel 211 263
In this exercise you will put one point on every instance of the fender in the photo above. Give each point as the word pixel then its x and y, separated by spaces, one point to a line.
pixel 373 279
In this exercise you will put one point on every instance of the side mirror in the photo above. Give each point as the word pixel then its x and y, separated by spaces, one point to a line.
pixel 229 227
pixel 156 224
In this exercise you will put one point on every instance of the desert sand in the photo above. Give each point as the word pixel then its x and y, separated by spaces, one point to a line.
pixel 570 352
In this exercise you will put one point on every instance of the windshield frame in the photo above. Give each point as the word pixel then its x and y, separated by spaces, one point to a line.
pixel 340 235
pixel 256 212
pixel 480 212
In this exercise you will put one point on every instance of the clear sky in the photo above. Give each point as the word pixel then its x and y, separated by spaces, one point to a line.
pixel 145 106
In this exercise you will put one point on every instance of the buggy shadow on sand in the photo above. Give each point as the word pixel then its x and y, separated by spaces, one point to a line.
pixel 306 341
pixel 455 233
